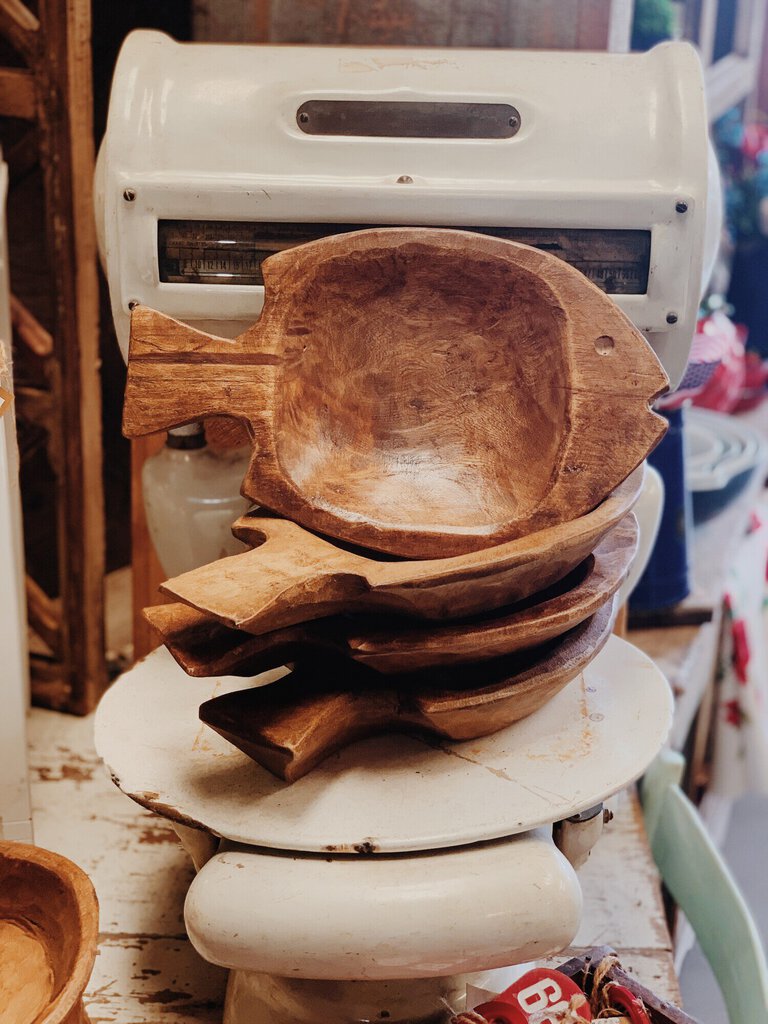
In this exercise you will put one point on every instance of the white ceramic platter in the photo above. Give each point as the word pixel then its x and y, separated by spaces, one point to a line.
pixel 734 446
pixel 393 793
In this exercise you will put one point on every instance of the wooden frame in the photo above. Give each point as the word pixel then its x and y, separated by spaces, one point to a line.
pixel 731 78
pixel 54 94
pixel 536 24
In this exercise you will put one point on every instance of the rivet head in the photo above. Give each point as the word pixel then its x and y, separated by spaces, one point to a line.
pixel 405 179
pixel 681 206
pixel 671 318
pixel 129 195
pixel 303 117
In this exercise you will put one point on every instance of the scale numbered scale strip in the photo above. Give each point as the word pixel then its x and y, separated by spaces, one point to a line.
pixel 231 252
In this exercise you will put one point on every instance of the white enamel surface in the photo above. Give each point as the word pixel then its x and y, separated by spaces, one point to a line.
pixel 648 511
pixel 428 914
pixel 15 811
pixel 207 131
pixel 392 793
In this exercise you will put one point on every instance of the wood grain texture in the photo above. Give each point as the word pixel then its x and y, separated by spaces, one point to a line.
pixel 29 330
pixel 421 392
pixel 17 93
pixel 62 66
pixel 49 923
pixel 584 969
pixel 540 24
pixel 43 615
pixel 318 709
pixel 295 576
pixel 20 27
pixel 203 647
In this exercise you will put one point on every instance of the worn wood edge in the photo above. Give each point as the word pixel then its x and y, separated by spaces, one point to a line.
pixel 582 968
pixel 29 329
pixel 641 381
pixel 329 717
pixel 422 589
pixel 632 413
pixel 44 615
pixel 63 76
pixel 564 658
pixel 69 999
pixel 186 631
pixel 17 94
pixel 20 27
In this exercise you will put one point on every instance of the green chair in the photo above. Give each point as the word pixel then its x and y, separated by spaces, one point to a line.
pixel 704 889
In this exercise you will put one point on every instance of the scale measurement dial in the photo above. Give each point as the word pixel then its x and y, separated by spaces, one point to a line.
pixel 231 252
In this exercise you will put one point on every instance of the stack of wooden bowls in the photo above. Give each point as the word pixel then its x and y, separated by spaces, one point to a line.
pixel 446 432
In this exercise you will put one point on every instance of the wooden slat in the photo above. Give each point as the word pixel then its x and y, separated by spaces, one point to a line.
pixel 49 689
pixel 67 157
pixel 22 156
pixel 541 24
pixel 35 406
pixel 20 27
pixel 232 20
pixel 30 330
pixel 43 615
pixel 17 93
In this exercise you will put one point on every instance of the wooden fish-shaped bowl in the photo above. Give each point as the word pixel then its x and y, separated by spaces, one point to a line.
pixel 204 647
pixel 290 726
pixel 418 391
pixel 49 922
pixel 294 576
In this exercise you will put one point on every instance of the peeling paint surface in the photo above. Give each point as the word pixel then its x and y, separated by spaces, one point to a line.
pixel 146 970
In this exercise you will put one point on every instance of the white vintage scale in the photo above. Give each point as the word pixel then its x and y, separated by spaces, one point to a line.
pixel 372 887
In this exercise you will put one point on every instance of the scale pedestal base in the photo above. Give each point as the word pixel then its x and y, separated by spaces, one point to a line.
pixel 395 858
pixel 263 999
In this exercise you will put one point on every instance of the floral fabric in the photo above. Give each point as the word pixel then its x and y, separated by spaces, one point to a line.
pixel 741 734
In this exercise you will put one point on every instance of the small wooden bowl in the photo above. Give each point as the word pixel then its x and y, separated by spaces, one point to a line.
pixel 49 923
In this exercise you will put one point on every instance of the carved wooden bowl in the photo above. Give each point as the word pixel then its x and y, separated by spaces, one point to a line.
pixel 204 647
pixel 293 724
pixel 48 931
pixel 422 392
pixel 294 576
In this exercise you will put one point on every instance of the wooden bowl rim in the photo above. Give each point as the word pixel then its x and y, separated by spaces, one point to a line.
pixel 86 901
pixel 570 289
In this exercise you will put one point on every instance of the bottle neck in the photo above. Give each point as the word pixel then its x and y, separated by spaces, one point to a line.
pixel 186 438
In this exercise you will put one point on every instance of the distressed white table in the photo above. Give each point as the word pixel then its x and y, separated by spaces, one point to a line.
pixel 147 972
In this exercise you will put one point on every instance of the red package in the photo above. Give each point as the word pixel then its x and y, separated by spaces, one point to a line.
pixel 538 990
